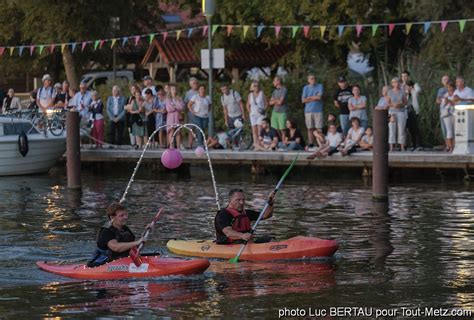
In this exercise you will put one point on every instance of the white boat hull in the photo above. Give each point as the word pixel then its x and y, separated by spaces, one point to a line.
pixel 43 152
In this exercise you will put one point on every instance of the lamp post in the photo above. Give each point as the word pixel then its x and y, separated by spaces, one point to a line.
pixel 115 26
pixel 208 9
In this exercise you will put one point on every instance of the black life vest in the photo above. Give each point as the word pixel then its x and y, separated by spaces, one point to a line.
pixel 102 256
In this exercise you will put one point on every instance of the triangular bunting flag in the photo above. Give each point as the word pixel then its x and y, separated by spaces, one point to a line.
pixel 63 46
pixel 443 25
pixel 322 29
pixel 101 44
pixel 374 29
pixel 462 24
pixel 306 31
pixel 41 48
pixel 204 30
pixel 277 30
pixel 83 46
pixel 340 30
pixel 259 31
pixel 113 43
pixel 11 50
pixel 124 41
pixel 32 50
pixel 2 50
pixel 190 32
pixel 426 26
pixel 391 26
pixel 165 35
pixel 214 29
pixel 246 29
pixel 137 40
pixel 96 44
pixel 20 51
pixel 73 46
pixel 358 30
pixel 408 27
pixel 151 37
pixel 178 34
pixel 294 30
pixel 229 29
pixel 51 48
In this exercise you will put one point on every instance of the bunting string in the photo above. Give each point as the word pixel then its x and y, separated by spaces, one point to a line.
pixel 229 30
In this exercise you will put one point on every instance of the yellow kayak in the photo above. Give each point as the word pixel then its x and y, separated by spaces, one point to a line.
pixel 293 248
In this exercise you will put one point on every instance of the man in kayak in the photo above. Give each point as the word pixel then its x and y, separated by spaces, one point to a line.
pixel 232 224
pixel 115 239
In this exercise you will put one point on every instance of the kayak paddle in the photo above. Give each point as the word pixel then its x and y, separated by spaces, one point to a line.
pixel 135 252
pixel 242 248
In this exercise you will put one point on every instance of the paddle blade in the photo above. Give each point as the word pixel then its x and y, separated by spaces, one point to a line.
pixel 234 259
pixel 135 256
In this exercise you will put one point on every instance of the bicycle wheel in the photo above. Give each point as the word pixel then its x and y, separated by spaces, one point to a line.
pixel 246 140
pixel 56 127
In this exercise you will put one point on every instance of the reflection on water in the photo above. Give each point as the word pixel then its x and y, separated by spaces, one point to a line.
pixel 417 250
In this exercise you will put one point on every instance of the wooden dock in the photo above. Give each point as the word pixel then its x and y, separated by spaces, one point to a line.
pixel 422 159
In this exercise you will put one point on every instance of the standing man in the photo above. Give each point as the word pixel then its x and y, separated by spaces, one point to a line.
pixel 463 95
pixel 44 98
pixel 194 90
pixel 82 101
pixel 341 101
pixel 313 107
pixel 148 84
pixel 280 106
pixel 116 112
pixel 439 99
pixel 233 106
pixel 412 91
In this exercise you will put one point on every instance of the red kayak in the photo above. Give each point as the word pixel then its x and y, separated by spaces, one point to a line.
pixel 124 268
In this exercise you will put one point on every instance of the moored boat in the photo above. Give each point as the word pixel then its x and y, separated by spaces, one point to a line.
pixel 293 248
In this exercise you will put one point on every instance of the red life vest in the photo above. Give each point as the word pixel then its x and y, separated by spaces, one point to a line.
pixel 241 221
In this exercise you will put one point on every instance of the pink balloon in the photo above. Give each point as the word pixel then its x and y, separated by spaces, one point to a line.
pixel 199 152
pixel 171 158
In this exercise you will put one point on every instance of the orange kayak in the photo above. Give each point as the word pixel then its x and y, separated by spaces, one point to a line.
pixel 293 248
pixel 124 268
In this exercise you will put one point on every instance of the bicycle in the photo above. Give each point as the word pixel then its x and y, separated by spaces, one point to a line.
pixel 53 120
pixel 241 138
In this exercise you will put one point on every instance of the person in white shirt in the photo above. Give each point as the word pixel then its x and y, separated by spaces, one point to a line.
pixel 463 95
pixel 332 142
pixel 200 106
pixel 233 106
pixel 447 115
pixel 11 103
pixel 44 97
pixel 256 107
pixel 148 84
pixel 367 141
pixel 353 137
pixel 412 91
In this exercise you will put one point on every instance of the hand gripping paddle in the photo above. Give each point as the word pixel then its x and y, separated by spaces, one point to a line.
pixel 135 252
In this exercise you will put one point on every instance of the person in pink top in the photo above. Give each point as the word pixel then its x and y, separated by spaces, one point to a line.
pixel 174 106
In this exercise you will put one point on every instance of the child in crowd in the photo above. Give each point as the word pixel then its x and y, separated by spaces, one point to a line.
pixel 353 137
pixel 332 142
pixel 367 141
pixel 320 135
pixel 219 141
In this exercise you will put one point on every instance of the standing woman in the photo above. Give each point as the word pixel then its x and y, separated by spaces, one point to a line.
pixel 384 101
pixel 200 106
pixel 96 110
pixel 159 110
pixel 447 115
pixel 128 116
pixel 11 102
pixel 398 119
pixel 174 107
pixel 139 124
pixel 148 104
pixel 357 105
pixel 256 107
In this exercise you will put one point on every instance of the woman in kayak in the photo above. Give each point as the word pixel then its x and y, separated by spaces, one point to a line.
pixel 232 224
pixel 115 239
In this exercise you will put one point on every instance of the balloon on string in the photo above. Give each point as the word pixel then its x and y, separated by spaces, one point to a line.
pixel 199 152
pixel 171 158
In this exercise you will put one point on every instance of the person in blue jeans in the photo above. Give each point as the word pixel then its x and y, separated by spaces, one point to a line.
pixel 341 101
pixel 200 106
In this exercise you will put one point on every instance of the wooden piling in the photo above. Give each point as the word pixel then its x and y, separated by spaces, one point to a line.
pixel 380 156
pixel 73 150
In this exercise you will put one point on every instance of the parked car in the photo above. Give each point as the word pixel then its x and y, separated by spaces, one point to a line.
pixel 95 79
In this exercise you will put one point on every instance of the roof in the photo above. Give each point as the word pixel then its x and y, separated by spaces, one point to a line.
pixel 185 52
